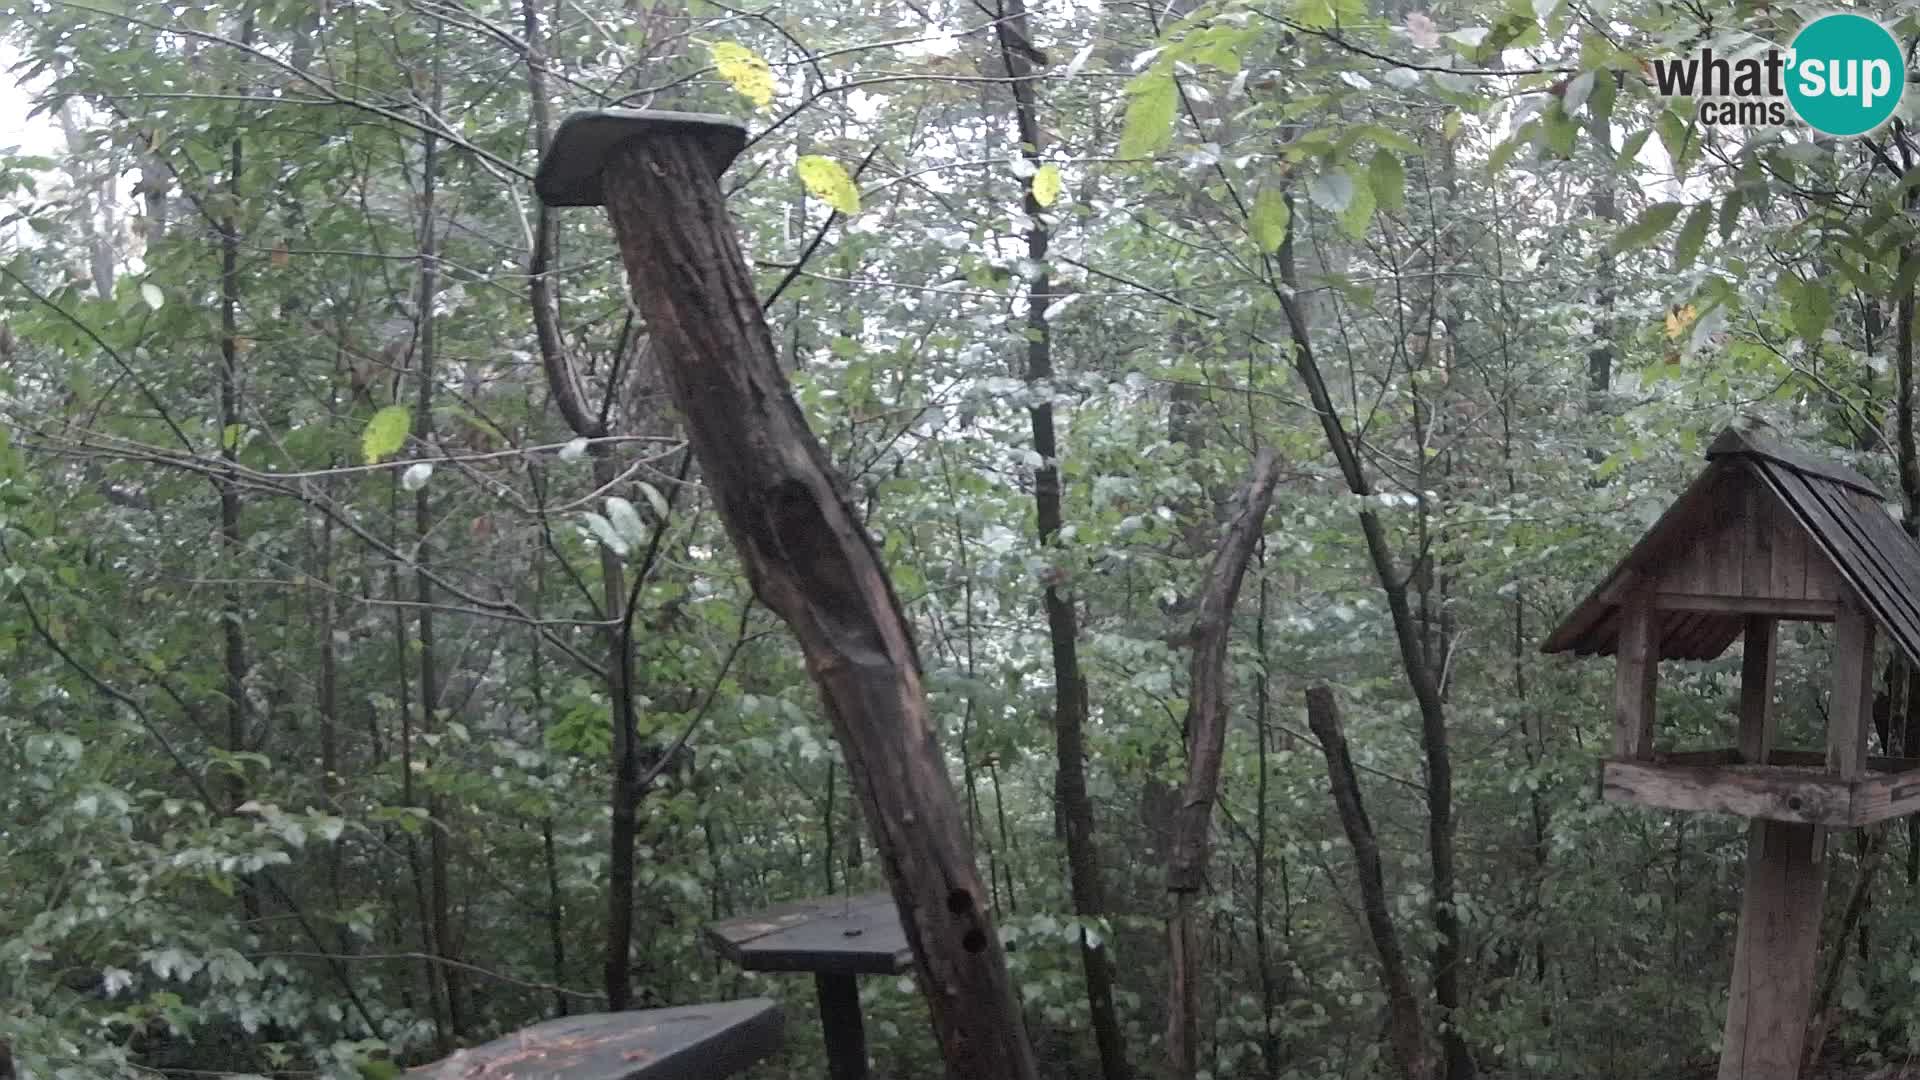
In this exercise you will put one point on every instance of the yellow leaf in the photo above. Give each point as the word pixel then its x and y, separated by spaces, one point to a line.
pixel 828 182
pixel 1678 319
pixel 1046 185
pixel 745 70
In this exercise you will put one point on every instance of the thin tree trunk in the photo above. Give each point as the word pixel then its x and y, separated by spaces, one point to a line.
pixel 1263 956
pixel 1206 725
pixel 1448 948
pixel 811 561
pixel 1073 809
pixel 233 614
pixel 549 855
pixel 1404 1028
pixel 563 382
pixel 452 982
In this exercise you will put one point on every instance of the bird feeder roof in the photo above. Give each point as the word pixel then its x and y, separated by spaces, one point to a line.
pixel 1766 529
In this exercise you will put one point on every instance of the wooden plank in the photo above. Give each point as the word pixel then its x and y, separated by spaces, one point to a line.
pixel 1789 552
pixel 1851 706
pixel 1881 798
pixel 1774 953
pixel 1899 554
pixel 1725 755
pixel 1751 791
pixel 1636 673
pixel 1756 689
pixel 1890 588
pixel 1818 759
pixel 1753 444
pixel 1835 538
pixel 1892 559
pixel 692 1042
pixel 857 935
pixel 1756 574
pixel 1797 609
pixel 1729 536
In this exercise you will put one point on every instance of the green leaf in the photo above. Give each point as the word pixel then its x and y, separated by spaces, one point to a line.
pixel 1359 212
pixel 1650 224
pixel 1046 184
pixel 603 531
pixel 1271 217
pixel 152 295
pixel 1388 179
pixel 626 521
pixel 385 434
pixel 1730 212
pixel 1692 235
pixel 661 511
pixel 1331 190
pixel 1153 101
pixel 230 436
pixel 1561 130
pixel 750 76
pixel 827 181
pixel 1630 150
pixel 1810 307
pixel 1313 14
pixel 1677 136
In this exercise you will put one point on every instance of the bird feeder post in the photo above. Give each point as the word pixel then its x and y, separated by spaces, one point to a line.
pixel 806 552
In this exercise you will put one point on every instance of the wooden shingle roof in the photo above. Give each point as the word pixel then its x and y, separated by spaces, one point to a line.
pixel 1786 507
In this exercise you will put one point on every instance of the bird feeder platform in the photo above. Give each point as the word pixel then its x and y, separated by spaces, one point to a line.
pixel 1791 785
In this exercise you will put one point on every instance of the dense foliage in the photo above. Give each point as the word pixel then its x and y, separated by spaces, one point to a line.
pixel 333 643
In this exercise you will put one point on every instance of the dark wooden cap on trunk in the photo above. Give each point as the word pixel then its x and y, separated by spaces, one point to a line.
pixel 832 935
pixel 1766 529
pixel 570 170
pixel 692 1042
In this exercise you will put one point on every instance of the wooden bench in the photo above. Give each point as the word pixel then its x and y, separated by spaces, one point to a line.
pixel 691 1042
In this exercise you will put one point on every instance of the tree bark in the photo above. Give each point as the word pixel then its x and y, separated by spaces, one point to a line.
pixel 1404 1028
pixel 1206 725
pixel 810 560
pixel 1074 811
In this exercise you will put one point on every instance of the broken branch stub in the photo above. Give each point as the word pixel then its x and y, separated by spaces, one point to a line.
pixel 806 553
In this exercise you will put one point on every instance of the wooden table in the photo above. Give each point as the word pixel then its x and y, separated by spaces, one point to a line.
pixel 836 938
pixel 692 1042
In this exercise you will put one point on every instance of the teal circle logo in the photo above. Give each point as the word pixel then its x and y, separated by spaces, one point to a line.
pixel 1845 74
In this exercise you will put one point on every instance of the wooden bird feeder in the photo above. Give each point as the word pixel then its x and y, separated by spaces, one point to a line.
pixel 1766 533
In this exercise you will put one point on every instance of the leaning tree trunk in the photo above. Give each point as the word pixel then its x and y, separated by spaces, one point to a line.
pixel 810 560
pixel 1405 1031
pixel 1206 742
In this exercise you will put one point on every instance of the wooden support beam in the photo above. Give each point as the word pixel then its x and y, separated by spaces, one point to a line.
pixel 1756 689
pixel 1774 954
pixel 1636 672
pixel 841 1024
pixel 1852 704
